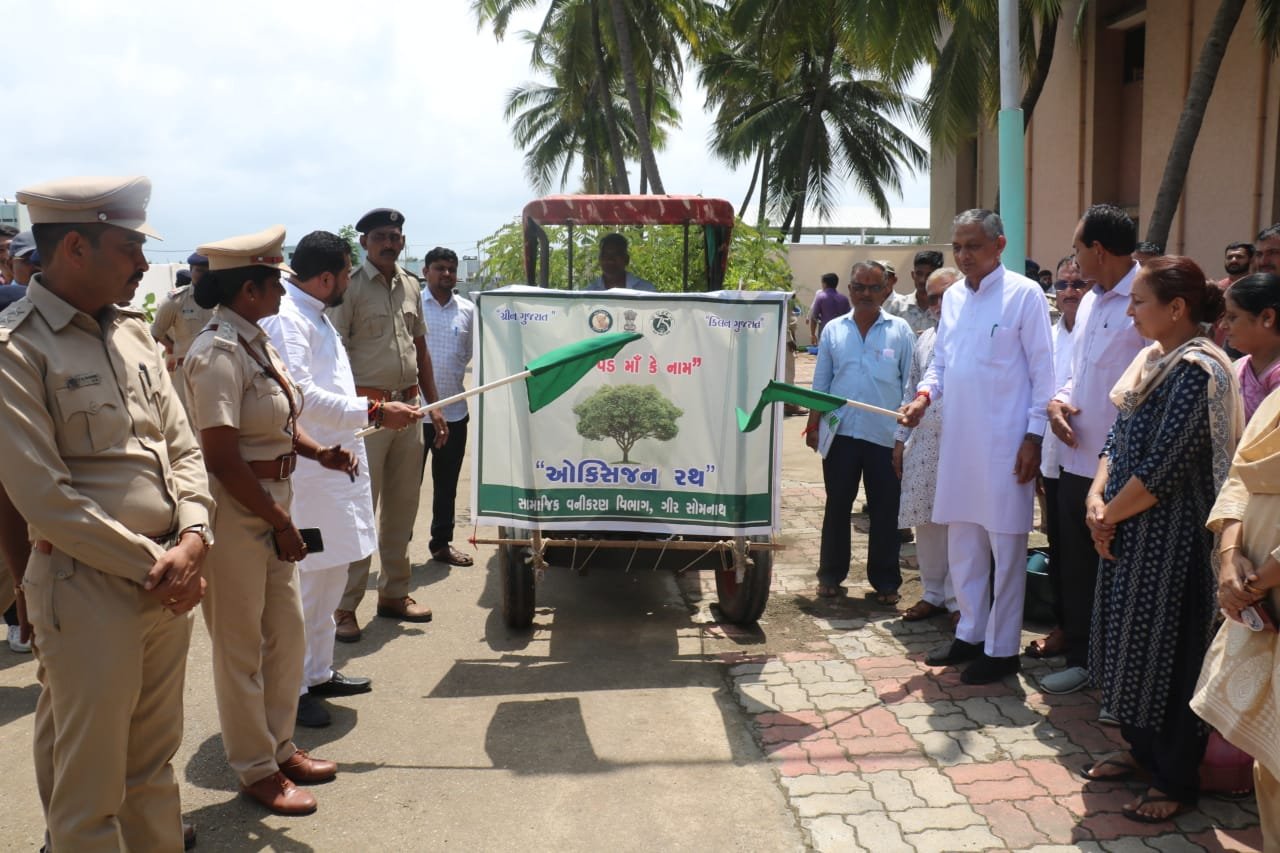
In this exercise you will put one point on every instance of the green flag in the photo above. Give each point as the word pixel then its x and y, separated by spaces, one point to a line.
pixel 554 372
pixel 781 392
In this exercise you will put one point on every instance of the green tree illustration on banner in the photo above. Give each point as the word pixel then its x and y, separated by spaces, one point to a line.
pixel 626 414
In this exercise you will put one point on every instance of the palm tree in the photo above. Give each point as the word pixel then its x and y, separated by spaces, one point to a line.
pixel 640 40
pixel 791 94
pixel 1199 90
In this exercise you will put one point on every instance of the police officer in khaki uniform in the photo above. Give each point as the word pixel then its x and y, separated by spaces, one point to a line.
pixel 98 458
pixel 246 408
pixel 179 319
pixel 381 324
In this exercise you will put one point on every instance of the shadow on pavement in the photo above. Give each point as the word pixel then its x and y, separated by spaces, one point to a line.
pixel 235 825
pixel 17 702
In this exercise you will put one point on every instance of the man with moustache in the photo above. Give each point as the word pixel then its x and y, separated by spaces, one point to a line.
pixel 994 334
pixel 1267 257
pixel 1080 416
pixel 382 326
pixel 866 356
pixel 343 511
pixel 112 483
pixel 450 322
pixel 1237 262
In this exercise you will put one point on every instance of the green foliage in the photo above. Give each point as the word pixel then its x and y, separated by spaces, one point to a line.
pixel 348 233
pixel 757 261
pixel 149 307
pixel 626 414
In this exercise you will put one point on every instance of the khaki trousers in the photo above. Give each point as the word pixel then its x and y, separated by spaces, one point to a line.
pixel 254 616
pixel 1267 790
pixel 109 717
pixel 395 471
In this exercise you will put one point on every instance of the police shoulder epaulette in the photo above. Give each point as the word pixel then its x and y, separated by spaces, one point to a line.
pixel 132 313
pixel 225 336
pixel 178 291
pixel 12 317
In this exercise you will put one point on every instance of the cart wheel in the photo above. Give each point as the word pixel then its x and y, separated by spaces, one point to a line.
pixel 517 586
pixel 743 602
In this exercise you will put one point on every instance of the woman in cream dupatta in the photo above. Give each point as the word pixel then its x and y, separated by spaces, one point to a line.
pixel 1239 689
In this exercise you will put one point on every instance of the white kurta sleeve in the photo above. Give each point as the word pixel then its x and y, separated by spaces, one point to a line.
pixel 292 337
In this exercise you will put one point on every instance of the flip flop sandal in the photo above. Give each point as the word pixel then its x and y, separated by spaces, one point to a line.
pixel 922 610
pixel 452 556
pixel 825 591
pixel 1148 798
pixel 888 599
pixel 1128 771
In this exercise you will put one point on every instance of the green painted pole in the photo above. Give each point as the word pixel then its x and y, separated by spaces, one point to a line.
pixel 1013 189
pixel 1013 173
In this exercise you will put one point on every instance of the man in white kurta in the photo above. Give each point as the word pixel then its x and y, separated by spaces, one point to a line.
pixel 331 414
pixel 993 361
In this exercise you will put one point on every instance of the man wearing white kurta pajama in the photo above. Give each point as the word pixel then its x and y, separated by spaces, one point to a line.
pixel 331 413
pixel 994 362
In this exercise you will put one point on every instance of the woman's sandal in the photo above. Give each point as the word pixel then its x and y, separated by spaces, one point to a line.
pixel 1128 770
pixel 1148 798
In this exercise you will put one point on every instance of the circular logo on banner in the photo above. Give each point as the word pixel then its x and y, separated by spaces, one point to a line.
pixel 661 322
pixel 600 321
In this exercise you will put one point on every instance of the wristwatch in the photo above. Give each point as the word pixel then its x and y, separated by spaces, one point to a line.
pixel 203 531
pixel 1034 438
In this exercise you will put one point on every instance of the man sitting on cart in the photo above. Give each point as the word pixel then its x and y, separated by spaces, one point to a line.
pixel 613 267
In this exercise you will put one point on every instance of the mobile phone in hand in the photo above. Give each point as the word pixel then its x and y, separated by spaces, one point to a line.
pixel 312 539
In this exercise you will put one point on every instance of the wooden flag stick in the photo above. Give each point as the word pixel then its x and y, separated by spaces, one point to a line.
pixel 440 404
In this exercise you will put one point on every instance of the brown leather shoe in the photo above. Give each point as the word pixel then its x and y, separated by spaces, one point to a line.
pixel 348 630
pixel 405 609
pixel 279 795
pixel 302 769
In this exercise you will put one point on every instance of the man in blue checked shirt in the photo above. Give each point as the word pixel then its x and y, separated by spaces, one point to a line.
pixel 866 356
pixel 450 319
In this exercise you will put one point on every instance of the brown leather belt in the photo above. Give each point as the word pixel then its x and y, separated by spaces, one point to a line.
pixel 280 468
pixel 402 396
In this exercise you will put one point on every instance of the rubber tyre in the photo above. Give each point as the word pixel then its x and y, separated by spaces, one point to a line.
pixel 518 595
pixel 743 603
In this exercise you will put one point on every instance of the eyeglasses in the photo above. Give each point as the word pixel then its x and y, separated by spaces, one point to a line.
pixel 866 288
pixel 1063 284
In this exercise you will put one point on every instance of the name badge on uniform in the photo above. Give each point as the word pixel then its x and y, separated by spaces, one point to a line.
pixel 83 380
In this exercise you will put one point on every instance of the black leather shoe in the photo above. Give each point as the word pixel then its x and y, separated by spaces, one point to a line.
pixel 312 713
pixel 986 669
pixel 342 685
pixel 957 651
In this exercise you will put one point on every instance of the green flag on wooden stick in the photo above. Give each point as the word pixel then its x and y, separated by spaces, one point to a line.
pixel 555 372
pixel 781 392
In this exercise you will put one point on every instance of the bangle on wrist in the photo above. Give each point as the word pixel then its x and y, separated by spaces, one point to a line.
pixel 925 394
pixel 1222 552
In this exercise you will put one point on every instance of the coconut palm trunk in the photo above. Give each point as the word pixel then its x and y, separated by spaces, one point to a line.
pixel 621 184
pixel 627 59
pixel 1184 138
pixel 821 85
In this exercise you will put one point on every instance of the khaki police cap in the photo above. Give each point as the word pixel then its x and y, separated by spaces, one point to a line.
pixel 110 201
pixel 263 249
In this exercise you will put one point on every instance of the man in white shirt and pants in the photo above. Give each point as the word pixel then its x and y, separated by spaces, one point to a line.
pixel 994 362
pixel 331 413
pixel 1081 414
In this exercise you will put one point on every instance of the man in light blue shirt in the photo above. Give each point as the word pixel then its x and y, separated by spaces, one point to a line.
pixel 866 356
pixel 614 259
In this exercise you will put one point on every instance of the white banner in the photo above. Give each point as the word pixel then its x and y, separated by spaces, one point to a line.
pixel 645 442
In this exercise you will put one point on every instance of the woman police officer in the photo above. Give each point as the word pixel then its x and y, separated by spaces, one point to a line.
pixel 244 408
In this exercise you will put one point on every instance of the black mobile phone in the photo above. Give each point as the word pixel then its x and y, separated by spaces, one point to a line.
pixel 312 539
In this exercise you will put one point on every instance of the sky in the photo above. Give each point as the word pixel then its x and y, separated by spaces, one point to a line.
pixel 305 113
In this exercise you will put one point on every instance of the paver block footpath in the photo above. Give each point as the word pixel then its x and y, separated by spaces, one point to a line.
pixel 876 751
